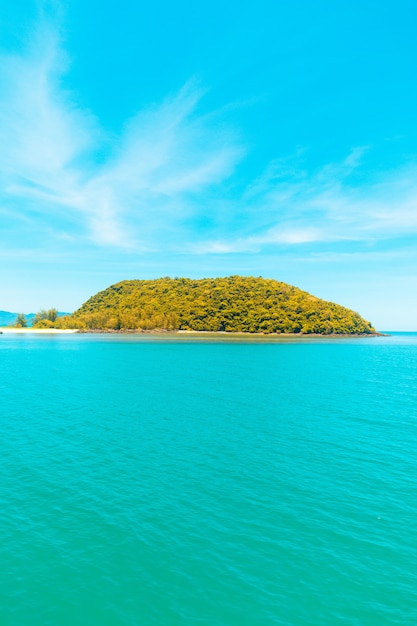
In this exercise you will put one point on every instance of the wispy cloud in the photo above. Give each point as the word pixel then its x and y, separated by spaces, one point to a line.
pixel 48 169
pixel 169 172
pixel 290 206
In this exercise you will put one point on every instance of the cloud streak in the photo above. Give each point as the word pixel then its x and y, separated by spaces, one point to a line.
pixel 170 170
pixel 164 157
pixel 295 207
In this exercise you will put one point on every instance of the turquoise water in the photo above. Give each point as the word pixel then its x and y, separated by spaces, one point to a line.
pixel 146 481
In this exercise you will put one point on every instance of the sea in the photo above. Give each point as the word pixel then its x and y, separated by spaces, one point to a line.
pixel 151 480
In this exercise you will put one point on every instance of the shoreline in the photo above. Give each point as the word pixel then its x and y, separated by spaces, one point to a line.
pixel 222 333
pixel 182 333
pixel 37 331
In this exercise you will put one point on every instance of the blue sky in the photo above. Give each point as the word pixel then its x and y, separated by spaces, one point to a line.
pixel 264 138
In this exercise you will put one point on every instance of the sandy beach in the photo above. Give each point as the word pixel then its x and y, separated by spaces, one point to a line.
pixel 38 331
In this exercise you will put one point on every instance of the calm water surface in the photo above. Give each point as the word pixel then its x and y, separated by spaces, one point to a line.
pixel 153 482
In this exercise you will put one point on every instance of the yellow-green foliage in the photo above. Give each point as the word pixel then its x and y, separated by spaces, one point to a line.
pixel 232 304
pixel 45 319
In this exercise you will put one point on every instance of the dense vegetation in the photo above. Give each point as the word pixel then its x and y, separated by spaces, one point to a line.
pixel 45 319
pixel 232 304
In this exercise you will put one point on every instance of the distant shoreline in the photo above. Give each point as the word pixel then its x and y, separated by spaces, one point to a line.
pixel 180 333
pixel 220 333
pixel 38 331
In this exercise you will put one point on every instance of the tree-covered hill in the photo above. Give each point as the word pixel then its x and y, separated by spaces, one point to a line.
pixel 232 304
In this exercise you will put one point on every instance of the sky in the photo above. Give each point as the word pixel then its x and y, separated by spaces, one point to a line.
pixel 266 138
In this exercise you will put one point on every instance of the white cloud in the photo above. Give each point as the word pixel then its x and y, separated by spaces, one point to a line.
pixel 171 168
pixel 289 206
pixel 47 166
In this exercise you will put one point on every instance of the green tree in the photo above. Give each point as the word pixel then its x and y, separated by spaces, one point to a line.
pixel 45 319
pixel 21 321
pixel 52 315
pixel 40 316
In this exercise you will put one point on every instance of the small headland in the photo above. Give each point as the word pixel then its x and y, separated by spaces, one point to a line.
pixel 234 304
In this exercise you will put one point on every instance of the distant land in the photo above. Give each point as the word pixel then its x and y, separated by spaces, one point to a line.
pixel 232 304
pixel 7 318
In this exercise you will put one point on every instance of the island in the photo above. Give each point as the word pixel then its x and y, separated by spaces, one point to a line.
pixel 234 304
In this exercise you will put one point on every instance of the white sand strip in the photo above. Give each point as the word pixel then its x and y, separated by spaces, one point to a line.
pixel 38 331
